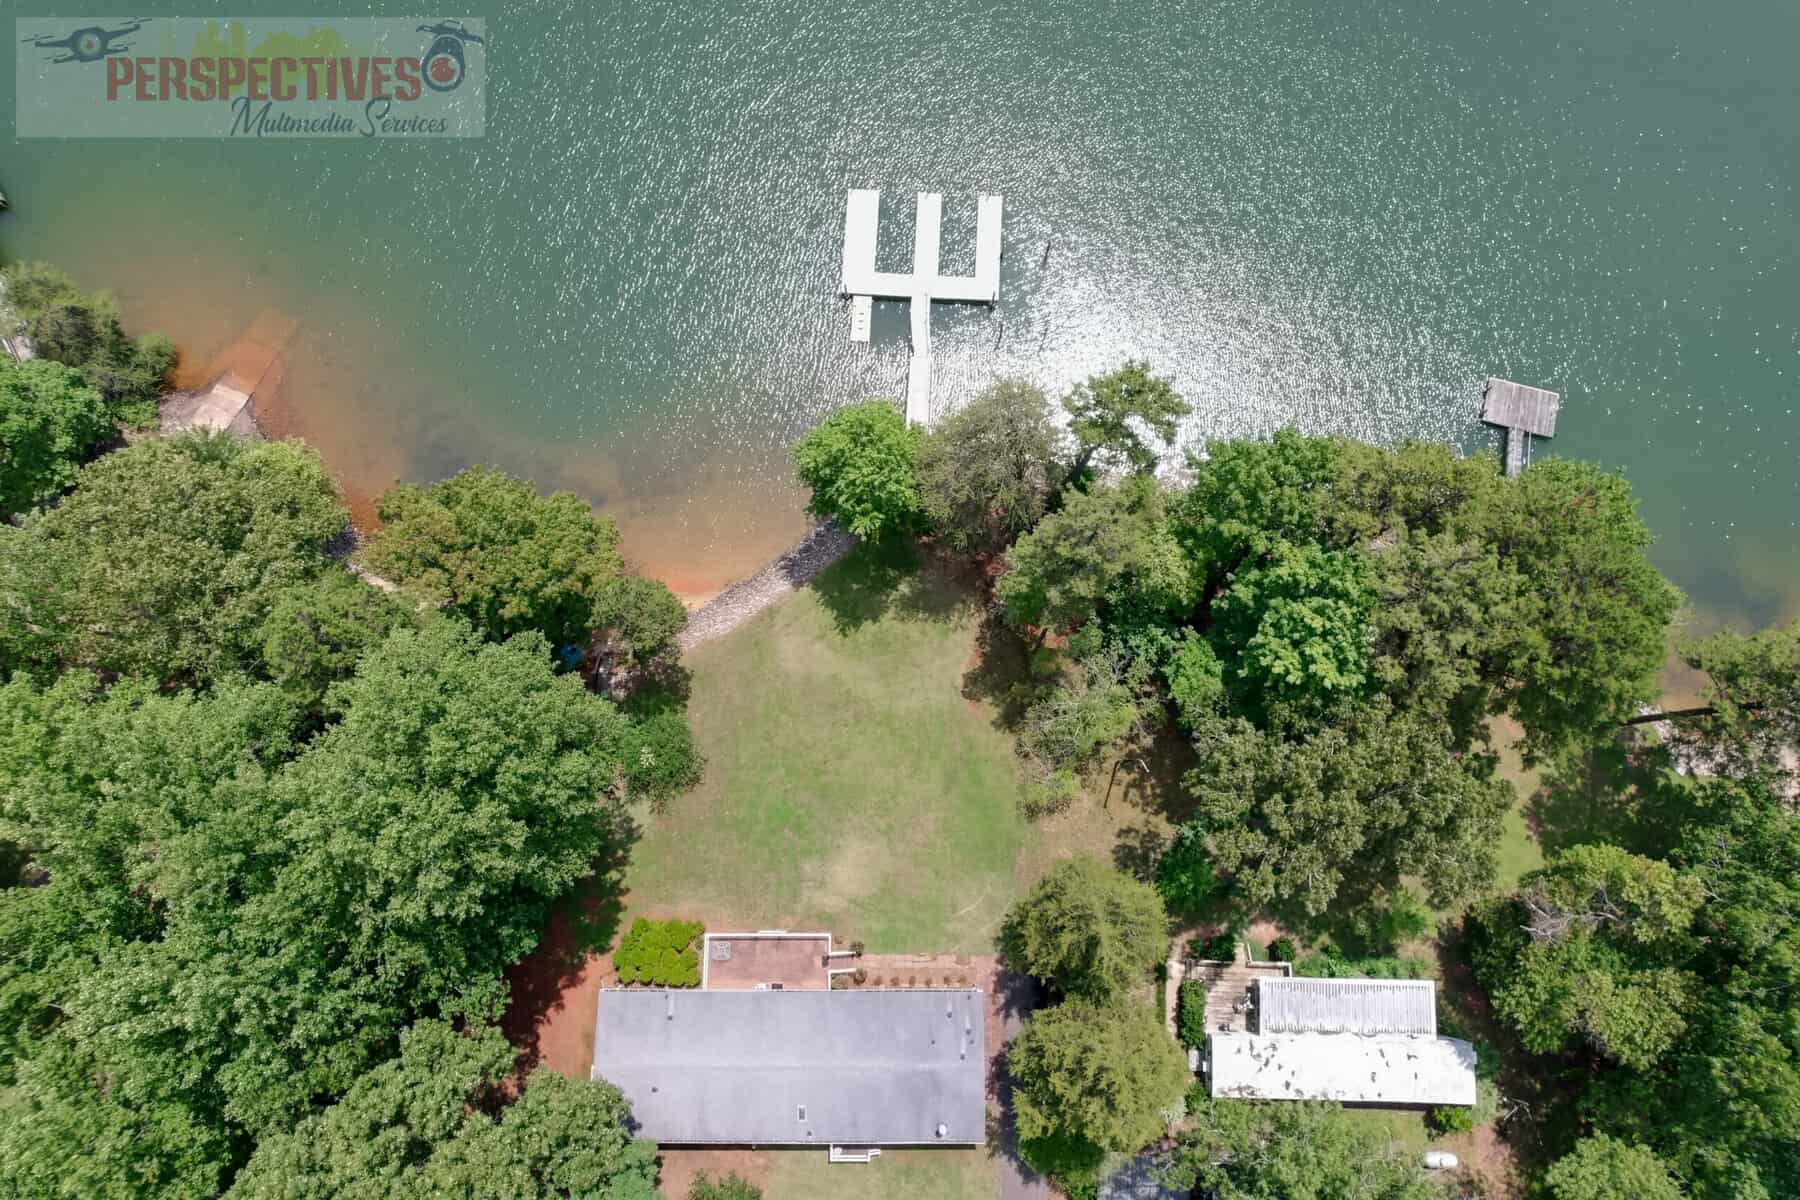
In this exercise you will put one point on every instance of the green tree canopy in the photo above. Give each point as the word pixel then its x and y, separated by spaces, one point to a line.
pixel 1347 809
pixel 988 470
pixel 1086 930
pixel 1669 982
pixel 1595 614
pixel 246 926
pixel 1753 687
pixel 1600 1168
pixel 487 546
pixel 1249 496
pixel 49 421
pixel 1106 1074
pixel 1107 412
pixel 82 331
pixel 316 631
pixel 1289 1151
pixel 166 559
pixel 861 464
pixel 1294 631
pixel 1110 547
pixel 417 1125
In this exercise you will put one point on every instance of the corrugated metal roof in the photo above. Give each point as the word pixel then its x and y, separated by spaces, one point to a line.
pixel 862 1068
pixel 1366 1006
pixel 1336 1066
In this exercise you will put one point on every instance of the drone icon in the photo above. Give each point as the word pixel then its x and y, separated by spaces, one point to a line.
pixel 88 45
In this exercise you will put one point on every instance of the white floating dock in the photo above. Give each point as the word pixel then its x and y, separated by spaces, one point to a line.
pixel 862 282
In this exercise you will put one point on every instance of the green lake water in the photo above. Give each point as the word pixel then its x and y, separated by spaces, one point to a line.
pixel 1338 216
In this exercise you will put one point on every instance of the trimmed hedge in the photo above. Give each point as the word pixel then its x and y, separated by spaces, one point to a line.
pixel 1190 1013
pixel 662 953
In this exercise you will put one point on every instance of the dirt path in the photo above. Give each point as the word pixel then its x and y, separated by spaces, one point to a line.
pixel 825 545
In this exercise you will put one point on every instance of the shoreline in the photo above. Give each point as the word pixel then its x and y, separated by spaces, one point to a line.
pixel 730 608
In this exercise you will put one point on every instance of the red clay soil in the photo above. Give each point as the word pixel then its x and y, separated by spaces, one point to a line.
pixel 555 989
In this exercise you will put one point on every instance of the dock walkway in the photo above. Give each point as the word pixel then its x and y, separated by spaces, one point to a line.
pixel 860 281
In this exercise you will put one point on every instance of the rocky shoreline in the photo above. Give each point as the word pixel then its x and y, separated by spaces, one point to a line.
pixel 818 550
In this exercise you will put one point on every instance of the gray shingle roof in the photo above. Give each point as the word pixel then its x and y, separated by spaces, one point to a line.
pixel 869 1068
pixel 1367 1006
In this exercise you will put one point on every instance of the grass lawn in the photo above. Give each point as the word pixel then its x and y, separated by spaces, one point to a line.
pixel 850 786
pixel 896 1175
pixel 1519 849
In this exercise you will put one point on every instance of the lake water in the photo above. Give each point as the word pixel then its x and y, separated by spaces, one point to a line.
pixel 1342 217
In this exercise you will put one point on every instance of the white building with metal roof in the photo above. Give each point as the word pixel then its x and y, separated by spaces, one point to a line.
pixel 1355 1041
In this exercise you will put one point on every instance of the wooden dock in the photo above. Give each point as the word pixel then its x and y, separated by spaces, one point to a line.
pixel 860 281
pixel 1523 412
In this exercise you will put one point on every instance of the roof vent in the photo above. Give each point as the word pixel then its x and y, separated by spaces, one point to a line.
pixel 943 1130
pixel 800 1112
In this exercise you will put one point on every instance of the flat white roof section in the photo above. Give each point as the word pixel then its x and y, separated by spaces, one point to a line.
pixel 860 281
pixel 1344 1067
pixel 813 1068
pixel 1368 1006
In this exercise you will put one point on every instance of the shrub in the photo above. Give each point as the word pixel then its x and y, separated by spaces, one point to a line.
pixel 1190 1013
pixel 726 1187
pixel 856 948
pixel 1282 950
pixel 1221 946
pixel 1452 1118
pixel 660 759
pixel 1184 874
pixel 839 982
pixel 1073 1162
pixel 1331 964
pixel 861 976
pixel 660 953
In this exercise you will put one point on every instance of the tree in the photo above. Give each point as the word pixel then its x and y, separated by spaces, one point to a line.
pixel 643 613
pixel 264 921
pixel 1347 809
pixel 1106 411
pixel 316 631
pixel 1670 980
pixel 1107 548
pixel 861 464
pixel 988 471
pixel 566 1137
pixel 1247 497
pixel 166 559
pixel 1294 632
pixel 1108 1075
pixel 488 547
pixel 415 1126
pixel 49 421
pixel 1184 873
pixel 1196 679
pixel 1086 930
pixel 1600 1168
pixel 1594 613
pixel 1753 692
pixel 82 331
pixel 1090 709
pixel 1289 1151
pixel 1589 949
